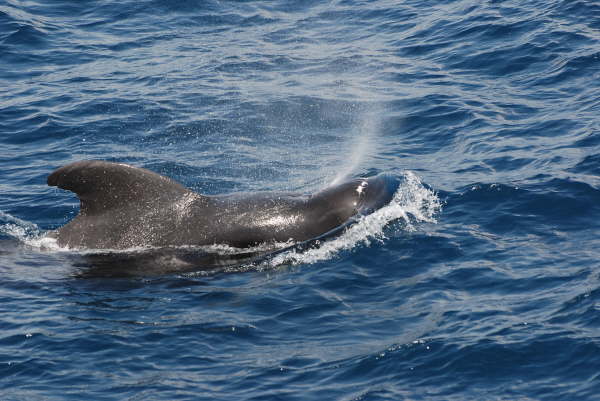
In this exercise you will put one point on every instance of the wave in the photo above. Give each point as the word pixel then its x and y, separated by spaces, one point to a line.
pixel 25 232
pixel 412 203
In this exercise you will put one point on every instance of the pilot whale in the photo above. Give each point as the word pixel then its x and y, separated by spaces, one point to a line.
pixel 122 206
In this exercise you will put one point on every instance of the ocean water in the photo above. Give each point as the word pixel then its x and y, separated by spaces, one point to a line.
pixel 479 281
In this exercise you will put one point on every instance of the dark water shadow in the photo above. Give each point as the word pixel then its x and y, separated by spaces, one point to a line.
pixel 158 262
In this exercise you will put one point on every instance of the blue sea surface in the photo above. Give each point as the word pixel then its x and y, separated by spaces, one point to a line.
pixel 480 281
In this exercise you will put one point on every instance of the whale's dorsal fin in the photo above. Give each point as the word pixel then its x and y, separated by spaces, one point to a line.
pixel 101 186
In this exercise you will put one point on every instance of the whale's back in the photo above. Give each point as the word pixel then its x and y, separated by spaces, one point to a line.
pixel 126 207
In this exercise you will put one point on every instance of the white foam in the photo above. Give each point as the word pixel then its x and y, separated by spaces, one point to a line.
pixel 27 233
pixel 48 244
pixel 412 203
pixel 16 226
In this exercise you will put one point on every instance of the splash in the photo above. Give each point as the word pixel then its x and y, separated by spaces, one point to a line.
pixel 412 203
pixel 26 232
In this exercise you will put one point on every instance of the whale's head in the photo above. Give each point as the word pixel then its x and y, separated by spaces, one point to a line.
pixel 375 192
pixel 354 198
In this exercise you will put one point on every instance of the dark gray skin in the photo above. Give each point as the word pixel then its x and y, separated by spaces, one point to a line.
pixel 124 207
